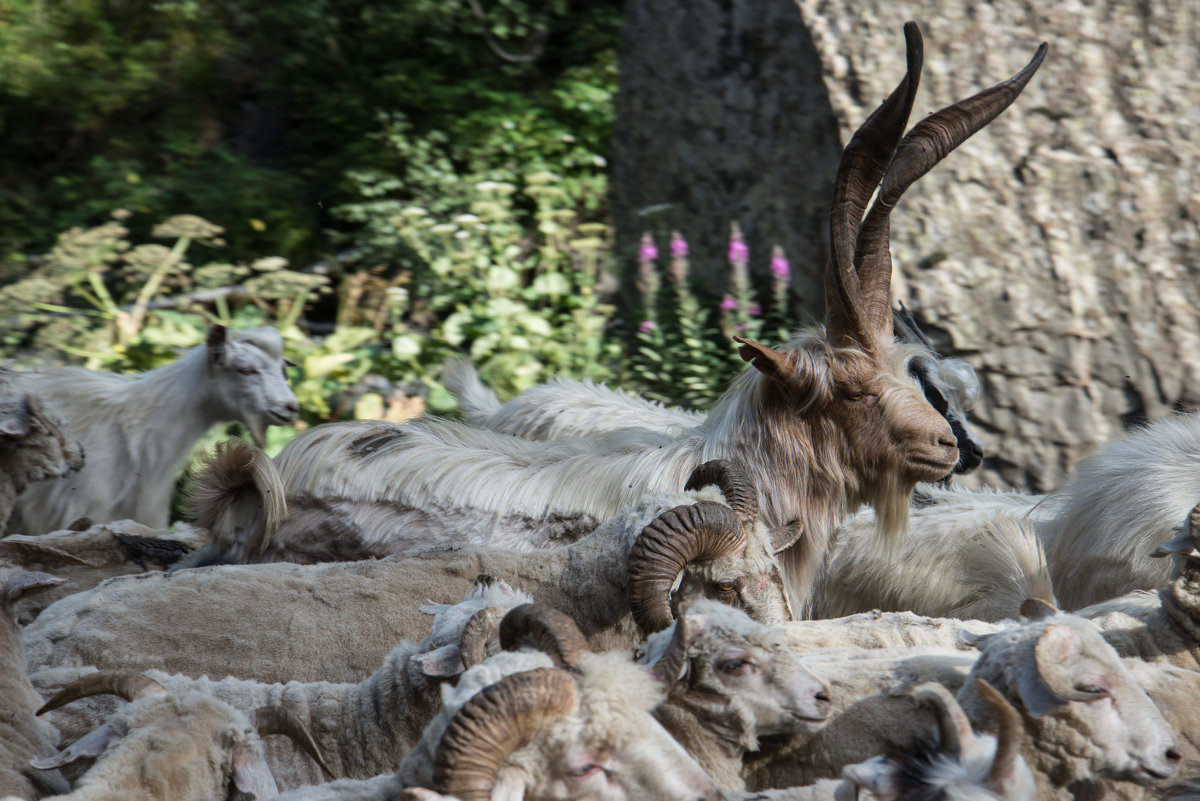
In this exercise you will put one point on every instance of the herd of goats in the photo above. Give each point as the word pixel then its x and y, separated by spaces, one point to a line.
pixel 580 594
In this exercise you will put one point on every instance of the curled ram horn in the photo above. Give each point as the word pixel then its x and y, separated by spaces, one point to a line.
pixel 672 665
pixel 733 482
pixel 545 629
pixel 268 720
pixel 500 719
pixel 124 683
pixel 1052 655
pixel 701 531
pixel 481 635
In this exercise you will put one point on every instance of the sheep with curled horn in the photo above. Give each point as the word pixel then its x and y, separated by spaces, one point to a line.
pixel 564 407
pixel 364 729
pixel 828 423
pixel 625 579
pixel 173 747
pixel 139 430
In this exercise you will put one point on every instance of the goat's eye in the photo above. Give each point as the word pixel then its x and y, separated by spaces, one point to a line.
pixel 585 772
pixel 863 398
pixel 248 370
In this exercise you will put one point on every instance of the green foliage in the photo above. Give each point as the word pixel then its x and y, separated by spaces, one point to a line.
pixel 254 114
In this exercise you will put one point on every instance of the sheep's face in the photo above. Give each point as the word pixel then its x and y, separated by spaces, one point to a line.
pixel 609 748
pixel 751 582
pixel 744 681
pixel 249 378
pixel 1089 712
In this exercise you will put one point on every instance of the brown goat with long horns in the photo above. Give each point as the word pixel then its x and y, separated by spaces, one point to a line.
pixel 823 425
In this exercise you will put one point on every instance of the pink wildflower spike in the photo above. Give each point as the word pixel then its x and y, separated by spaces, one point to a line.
pixel 780 269
pixel 728 304
pixel 648 251
pixel 646 326
pixel 679 245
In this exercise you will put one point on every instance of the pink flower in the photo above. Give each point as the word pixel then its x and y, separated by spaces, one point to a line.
pixel 739 327
pixel 646 326
pixel 679 246
pixel 755 310
pixel 648 252
pixel 780 268
pixel 728 304
pixel 738 250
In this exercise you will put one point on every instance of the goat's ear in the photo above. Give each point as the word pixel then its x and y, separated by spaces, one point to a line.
pixel 794 374
pixel 216 344
pixel 1036 609
pixel 786 536
pixel 251 774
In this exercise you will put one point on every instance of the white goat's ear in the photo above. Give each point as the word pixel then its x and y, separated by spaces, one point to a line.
pixel 89 745
pixel 877 775
pixel 1036 609
pixel 216 344
pixel 440 662
pixel 786 536
pixel 251 775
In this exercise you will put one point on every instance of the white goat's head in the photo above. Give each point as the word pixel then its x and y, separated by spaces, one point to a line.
pixel 1090 716
pixel 737 676
pixel 249 379
pixel 709 550
pixel 175 746
pixel 846 392
pixel 557 734
pixel 962 766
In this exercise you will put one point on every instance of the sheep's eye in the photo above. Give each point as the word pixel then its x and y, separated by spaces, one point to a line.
pixel 1093 689
pixel 726 587
pixel 736 667
pixel 587 771
pixel 248 370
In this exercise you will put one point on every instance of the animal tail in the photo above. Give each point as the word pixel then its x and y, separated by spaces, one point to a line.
pixel 239 498
pixel 478 402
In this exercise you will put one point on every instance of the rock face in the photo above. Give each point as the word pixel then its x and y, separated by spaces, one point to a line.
pixel 1057 250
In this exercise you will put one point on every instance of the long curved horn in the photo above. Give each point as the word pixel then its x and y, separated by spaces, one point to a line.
pixel 1008 739
pixel 733 482
pixel 545 629
pixel 930 141
pixel 481 636
pixel 863 164
pixel 1053 665
pixel 670 666
pixel 701 531
pixel 268 720
pixel 124 683
pixel 954 729
pixel 498 720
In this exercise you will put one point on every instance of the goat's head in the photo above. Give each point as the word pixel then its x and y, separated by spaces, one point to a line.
pixel 849 389
pixel 249 378
pixel 962 766
pixel 558 734
pixel 709 550
pixel 736 676
pixel 1090 715
pixel 176 745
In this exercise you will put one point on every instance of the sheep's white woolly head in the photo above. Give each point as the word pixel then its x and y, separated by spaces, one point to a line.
pixel 1088 713
pixel 741 679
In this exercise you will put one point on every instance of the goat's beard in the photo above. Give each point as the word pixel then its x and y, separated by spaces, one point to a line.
pixel 892 502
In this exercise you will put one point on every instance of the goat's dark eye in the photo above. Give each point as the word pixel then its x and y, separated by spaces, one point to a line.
pixel 736 667
pixel 864 398
pixel 248 370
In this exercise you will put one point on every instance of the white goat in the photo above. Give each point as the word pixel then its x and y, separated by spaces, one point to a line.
pixel 962 563
pixel 564 407
pixel 173 747
pixel 823 426
pixel 138 431
pixel 35 444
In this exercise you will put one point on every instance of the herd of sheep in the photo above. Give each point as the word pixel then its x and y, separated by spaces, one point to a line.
pixel 579 594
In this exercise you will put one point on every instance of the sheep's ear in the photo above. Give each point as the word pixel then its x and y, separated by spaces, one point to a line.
pixel 250 772
pixel 89 745
pixel 977 641
pixel 440 662
pixel 217 336
pixel 14 420
pixel 1036 609
pixel 786 536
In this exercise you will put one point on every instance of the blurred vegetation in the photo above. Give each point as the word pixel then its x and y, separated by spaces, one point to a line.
pixel 263 117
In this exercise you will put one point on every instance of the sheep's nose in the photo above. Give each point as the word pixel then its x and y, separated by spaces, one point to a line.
pixel 1174 755
pixel 823 702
